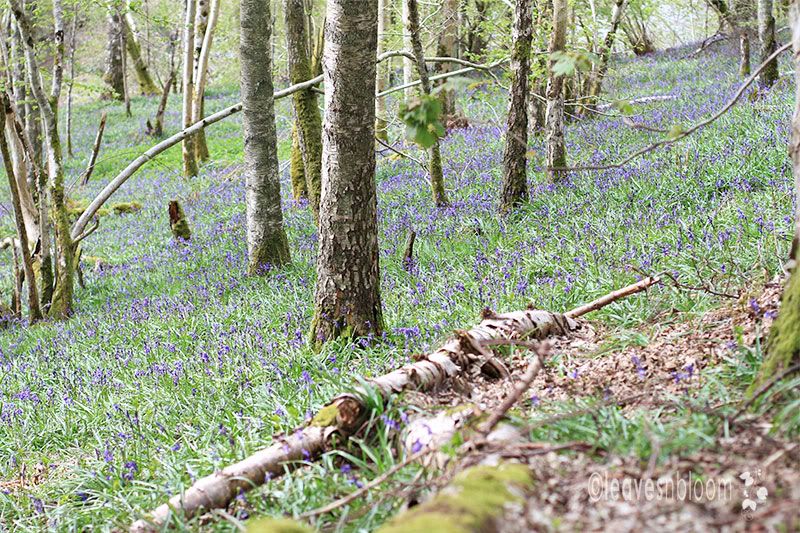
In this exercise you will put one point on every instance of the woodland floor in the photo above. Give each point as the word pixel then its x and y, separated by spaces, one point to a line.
pixel 177 364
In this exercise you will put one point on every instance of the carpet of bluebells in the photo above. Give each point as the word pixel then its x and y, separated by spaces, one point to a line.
pixel 177 364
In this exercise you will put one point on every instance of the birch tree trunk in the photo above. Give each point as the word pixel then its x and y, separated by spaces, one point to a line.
pixel 266 239
pixel 783 347
pixel 554 114
pixel 204 23
pixel 146 84
pixel 188 147
pixel 434 152
pixel 307 115
pixel 515 156
pixel 766 36
pixel 347 299
pixel 408 65
pixel 114 76
pixel 61 305
pixel 448 47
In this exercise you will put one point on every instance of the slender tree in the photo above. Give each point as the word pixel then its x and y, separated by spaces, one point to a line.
pixel 347 299
pixel 554 114
pixel 307 116
pixel 434 152
pixel 599 73
pixel 515 160
pixel 408 64
pixel 267 244
pixel 204 25
pixel 783 347
pixel 448 46
pixel 766 36
pixel 22 232
pixel 61 305
pixel 114 76
pixel 188 147
pixel 381 125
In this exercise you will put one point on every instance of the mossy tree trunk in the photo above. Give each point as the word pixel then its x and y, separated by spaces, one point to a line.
pixel 434 152
pixel 307 116
pixel 147 86
pixel 188 150
pixel 267 244
pixel 347 299
pixel 515 155
pixel 204 26
pixel 783 347
pixel 297 172
pixel 766 36
pixel 554 115
pixel 114 76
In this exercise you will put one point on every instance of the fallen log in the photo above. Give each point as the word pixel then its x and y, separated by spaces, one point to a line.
pixel 344 415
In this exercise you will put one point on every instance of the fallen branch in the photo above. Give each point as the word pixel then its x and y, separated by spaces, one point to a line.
pixel 642 100
pixel 717 37
pixel 95 150
pixel 613 297
pixel 763 390
pixel 519 389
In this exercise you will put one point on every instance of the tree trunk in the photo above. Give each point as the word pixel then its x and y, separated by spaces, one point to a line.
pixel 515 156
pixel 434 153
pixel 554 114
pixel 448 47
pixel 766 35
pixel 114 76
pixel 596 82
pixel 783 348
pixel 297 172
pixel 188 150
pixel 307 115
pixel 61 305
pixel 744 54
pixel 147 86
pixel 408 64
pixel 381 124
pixel 266 239
pixel 204 25
pixel 22 232
pixel 347 299
pixel 476 44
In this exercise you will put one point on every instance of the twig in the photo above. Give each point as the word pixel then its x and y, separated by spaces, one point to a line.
pixel 519 389
pixel 95 150
pixel 613 297
pixel 683 134
pixel 760 392
pixel 341 502
pixel 401 154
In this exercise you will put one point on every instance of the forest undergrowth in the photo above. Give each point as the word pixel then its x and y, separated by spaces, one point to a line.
pixel 176 364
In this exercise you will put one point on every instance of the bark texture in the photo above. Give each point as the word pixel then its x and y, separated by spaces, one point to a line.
pixel 204 26
pixel 448 47
pixel 307 115
pixel 408 64
pixel 347 299
pixel 766 36
pixel 114 76
pixel 434 152
pixel 266 239
pixel 783 348
pixel 515 160
pixel 744 54
pixel 381 82
pixel 188 148
pixel 554 114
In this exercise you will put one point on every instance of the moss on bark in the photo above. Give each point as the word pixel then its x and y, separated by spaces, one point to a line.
pixel 297 171
pixel 783 347
pixel 472 503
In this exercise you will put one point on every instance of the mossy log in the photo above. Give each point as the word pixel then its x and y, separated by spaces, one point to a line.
pixel 178 222
pixel 345 414
pixel 476 501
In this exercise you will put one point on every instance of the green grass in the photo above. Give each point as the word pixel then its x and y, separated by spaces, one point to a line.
pixel 179 363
